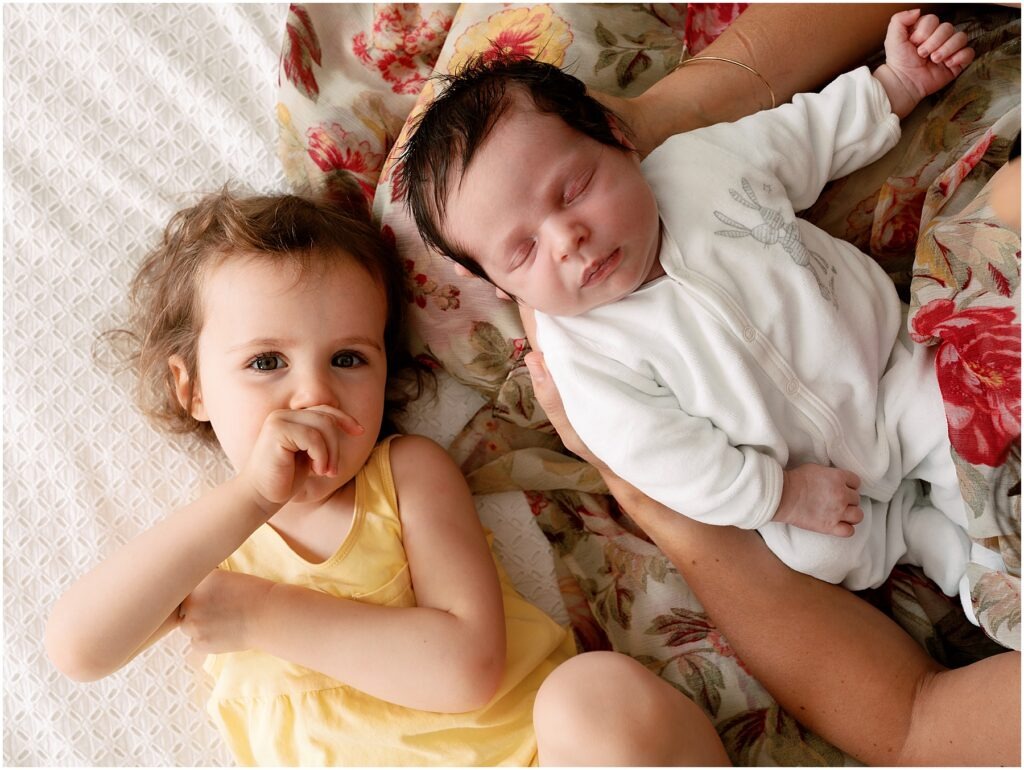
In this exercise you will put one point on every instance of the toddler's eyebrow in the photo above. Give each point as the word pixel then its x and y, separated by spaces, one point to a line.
pixel 284 342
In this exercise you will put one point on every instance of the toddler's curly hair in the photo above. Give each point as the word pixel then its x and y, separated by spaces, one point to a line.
pixel 294 231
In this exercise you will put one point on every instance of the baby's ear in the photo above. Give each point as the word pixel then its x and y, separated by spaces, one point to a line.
pixel 188 393
pixel 619 134
pixel 465 272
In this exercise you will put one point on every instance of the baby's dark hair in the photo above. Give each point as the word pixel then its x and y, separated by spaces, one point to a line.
pixel 450 131
pixel 301 233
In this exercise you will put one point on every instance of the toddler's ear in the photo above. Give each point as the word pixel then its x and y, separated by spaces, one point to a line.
pixel 189 394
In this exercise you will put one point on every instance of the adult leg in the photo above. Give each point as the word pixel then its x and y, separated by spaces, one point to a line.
pixel 837 664
pixel 604 708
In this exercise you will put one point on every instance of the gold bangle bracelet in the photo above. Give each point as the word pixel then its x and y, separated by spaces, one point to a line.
pixel 747 67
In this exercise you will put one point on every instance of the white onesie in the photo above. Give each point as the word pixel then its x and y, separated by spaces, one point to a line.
pixel 767 345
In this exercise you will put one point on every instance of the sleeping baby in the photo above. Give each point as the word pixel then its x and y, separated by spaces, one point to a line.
pixel 735 363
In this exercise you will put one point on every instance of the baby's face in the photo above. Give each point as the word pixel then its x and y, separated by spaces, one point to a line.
pixel 555 218
pixel 269 343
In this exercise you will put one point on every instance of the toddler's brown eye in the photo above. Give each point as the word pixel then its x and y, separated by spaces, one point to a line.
pixel 346 360
pixel 266 363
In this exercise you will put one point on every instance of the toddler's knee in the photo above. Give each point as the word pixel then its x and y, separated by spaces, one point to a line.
pixel 601 708
pixel 579 686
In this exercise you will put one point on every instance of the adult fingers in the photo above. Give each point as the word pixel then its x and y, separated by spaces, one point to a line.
pixel 544 390
pixel 547 396
pixel 852 479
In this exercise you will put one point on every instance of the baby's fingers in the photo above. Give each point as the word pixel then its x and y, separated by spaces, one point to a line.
pixel 923 30
pixel 959 61
pixel 842 529
pixel 937 41
pixel 853 514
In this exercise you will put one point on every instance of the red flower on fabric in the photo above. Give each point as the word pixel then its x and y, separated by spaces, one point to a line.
pixel 537 502
pixel 898 217
pixel 706 21
pixel 531 32
pixel 333 148
pixel 300 51
pixel 951 178
pixel 420 287
pixel 978 368
pixel 403 44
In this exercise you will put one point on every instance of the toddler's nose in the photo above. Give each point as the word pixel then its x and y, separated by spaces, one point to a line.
pixel 313 389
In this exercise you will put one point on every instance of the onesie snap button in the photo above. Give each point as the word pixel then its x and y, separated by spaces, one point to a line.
pixel 749 333
pixel 792 387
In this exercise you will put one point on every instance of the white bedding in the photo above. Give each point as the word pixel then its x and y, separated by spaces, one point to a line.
pixel 114 117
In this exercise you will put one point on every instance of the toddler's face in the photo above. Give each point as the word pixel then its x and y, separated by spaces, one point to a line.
pixel 555 218
pixel 269 342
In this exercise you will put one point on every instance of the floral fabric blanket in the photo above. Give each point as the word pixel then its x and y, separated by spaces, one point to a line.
pixel 351 77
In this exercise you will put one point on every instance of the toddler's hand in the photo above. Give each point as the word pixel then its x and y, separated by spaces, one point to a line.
pixel 922 56
pixel 219 614
pixel 820 499
pixel 292 444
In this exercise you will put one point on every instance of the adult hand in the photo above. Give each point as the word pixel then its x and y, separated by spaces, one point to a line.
pixel 551 402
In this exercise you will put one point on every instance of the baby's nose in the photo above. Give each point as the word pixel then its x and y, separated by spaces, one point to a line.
pixel 569 239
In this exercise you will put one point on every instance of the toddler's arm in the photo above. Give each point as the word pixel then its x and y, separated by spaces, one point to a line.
pixel 445 654
pixel 131 599
pixel 922 55
pixel 820 499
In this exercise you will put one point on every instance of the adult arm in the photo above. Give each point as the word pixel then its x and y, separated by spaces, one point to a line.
pixel 795 47
pixel 831 660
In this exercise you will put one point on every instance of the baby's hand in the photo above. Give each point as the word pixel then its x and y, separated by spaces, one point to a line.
pixel 292 444
pixel 820 499
pixel 922 55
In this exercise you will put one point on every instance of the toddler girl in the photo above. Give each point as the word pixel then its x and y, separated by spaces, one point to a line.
pixel 340 582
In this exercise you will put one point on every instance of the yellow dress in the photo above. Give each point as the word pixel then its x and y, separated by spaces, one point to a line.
pixel 272 712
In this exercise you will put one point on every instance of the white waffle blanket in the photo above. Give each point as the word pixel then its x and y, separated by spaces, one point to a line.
pixel 114 117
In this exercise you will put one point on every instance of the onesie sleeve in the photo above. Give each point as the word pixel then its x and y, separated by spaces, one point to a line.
pixel 809 142
pixel 684 462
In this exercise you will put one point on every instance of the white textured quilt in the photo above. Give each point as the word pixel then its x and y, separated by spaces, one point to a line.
pixel 114 117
